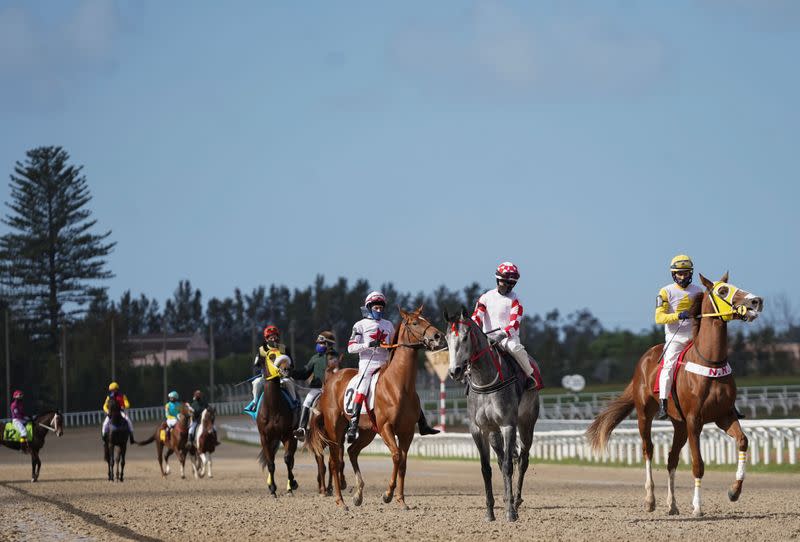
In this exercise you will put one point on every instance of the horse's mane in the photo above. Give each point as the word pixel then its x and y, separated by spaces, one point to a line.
pixel 696 310
pixel 394 339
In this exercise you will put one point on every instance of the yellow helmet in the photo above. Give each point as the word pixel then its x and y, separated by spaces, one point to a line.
pixel 681 262
pixel 113 386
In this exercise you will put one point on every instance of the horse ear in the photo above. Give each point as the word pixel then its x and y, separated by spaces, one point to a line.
pixel 419 310
pixel 707 283
pixel 445 315
pixel 464 313
pixel 402 312
pixel 724 277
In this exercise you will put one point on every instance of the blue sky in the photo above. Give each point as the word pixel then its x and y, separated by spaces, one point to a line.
pixel 422 143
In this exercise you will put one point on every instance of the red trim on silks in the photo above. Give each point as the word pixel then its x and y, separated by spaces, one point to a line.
pixel 351 342
pixel 680 363
pixel 455 329
pixel 359 398
pixel 537 374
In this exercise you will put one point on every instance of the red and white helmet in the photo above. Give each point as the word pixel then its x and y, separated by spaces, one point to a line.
pixel 17 394
pixel 507 271
pixel 375 298
pixel 271 331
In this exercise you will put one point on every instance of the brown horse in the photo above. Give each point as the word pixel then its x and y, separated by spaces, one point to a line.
pixel 397 408
pixel 176 442
pixel 41 425
pixel 276 422
pixel 205 443
pixel 326 489
pixel 696 398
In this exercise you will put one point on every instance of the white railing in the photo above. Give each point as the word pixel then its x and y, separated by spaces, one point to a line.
pixel 143 414
pixel 770 441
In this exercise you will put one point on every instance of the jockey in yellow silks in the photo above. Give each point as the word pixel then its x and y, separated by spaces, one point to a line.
pixel 116 395
pixel 272 361
pixel 673 307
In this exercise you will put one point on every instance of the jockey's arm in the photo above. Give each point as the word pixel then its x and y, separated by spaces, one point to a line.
pixel 479 313
pixel 126 402
pixel 662 306
pixel 356 344
pixel 105 404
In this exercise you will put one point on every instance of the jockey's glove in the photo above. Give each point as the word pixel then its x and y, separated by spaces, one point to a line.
pixel 374 344
pixel 684 315
pixel 499 336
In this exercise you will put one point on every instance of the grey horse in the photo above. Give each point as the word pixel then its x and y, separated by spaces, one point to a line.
pixel 495 405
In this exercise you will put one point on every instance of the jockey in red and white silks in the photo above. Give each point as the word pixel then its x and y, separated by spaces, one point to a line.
pixel 366 339
pixel 501 308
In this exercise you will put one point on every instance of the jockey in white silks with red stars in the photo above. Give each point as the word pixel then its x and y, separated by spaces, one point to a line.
pixel 501 308
pixel 673 306
pixel 366 340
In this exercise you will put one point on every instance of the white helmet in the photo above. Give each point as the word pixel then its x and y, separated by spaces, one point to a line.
pixel 375 298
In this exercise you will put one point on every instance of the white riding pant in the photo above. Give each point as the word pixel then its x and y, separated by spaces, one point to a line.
pixel 20 425
pixel 313 393
pixel 258 387
pixel 107 423
pixel 171 422
pixel 366 370
pixel 288 385
pixel 517 350
pixel 671 353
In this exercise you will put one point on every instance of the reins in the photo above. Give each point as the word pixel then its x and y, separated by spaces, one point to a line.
pixel 479 353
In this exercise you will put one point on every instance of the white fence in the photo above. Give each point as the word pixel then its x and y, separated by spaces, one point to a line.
pixel 771 441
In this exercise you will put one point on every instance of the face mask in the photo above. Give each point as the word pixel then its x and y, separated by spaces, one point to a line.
pixel 376 313
pixel 272 343
pixel 320 348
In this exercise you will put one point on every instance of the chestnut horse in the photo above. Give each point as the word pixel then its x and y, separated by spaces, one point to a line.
pixel 326 490
pixel 397 409
pixel 42 424
pixel 696 398
pixel 276 422
pixel 176 443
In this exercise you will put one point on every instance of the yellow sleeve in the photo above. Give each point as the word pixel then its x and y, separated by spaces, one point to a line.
pixel 127 403
pixel 662 316
pixel 105 405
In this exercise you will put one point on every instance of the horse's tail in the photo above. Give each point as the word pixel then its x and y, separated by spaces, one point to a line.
pixel 316 438
pixel 146 442
pixel 602 426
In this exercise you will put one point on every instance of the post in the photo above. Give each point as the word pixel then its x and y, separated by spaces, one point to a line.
pixel 253 340
pixel 291 337
pixel 442 393
pixel 164 358
pixel 8 370
pixel 113 351
pixel 64 364
pixel 211 356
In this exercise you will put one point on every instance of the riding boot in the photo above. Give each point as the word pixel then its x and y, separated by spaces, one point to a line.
pixel 422 424
pixel 300 432
pixel 353 428
pixel 662 409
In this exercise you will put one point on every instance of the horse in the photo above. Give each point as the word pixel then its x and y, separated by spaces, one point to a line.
pixel 326 490
pixel 497 407
pixel 205 443
pixel 396 412
pixel 276 420
pixel 703 392
pixel 116 442
pixel 40 426
pixel 176 442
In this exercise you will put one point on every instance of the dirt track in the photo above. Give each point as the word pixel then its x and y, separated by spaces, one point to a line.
pixel 73 501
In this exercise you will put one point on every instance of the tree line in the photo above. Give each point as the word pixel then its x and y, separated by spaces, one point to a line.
pixel 52 264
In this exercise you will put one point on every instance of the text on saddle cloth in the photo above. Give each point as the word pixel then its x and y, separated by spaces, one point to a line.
pixel 692 367
pixel 10 433
pixel 350 395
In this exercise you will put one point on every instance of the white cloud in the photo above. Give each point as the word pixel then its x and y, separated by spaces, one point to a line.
pixel 495 49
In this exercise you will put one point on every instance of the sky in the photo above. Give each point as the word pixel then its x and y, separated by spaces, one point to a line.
pixel 422 143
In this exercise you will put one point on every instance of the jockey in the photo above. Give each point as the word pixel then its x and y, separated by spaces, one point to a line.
pixel 500 308
pixel 368 339
pixel 272 361
pixel 316 369
pixel 673 306
pixel 18 418
pixel 172 409
pixel 199 404
pixel 115 395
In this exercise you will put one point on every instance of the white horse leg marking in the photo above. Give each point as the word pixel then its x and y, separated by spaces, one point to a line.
pixel 208 459
pixel 649 499
pixel 673 508
pixel 696 501
pixel 740 469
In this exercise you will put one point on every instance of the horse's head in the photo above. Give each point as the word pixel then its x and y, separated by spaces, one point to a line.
pixel 208 416
pixel 728 302
pixel 419 330
pixel 58 423
pixel 462 342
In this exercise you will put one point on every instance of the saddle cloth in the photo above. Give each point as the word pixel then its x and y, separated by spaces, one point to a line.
pixel 675 370
pixel 10 433
pixel 521 377
pixel 350 394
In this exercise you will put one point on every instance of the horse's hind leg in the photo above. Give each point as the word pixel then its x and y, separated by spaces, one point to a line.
pixel 121 462
pixel 695 427
pixel 110 462
pixel 482 442
pixel 645 425
pixel 35 465
pixel 731 426
pixel 364 438
pixel 510 442
pixel 527 421
pixel 678 440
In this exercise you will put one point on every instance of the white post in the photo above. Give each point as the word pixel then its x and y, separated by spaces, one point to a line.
pixel 442 393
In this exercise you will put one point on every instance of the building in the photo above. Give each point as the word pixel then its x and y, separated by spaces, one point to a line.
pixel 149 349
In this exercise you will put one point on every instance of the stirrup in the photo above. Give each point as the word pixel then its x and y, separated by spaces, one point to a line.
pixel 300 433
pixel 352 431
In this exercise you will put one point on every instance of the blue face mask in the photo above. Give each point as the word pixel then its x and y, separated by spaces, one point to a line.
pixel 376 314
pixel 320 348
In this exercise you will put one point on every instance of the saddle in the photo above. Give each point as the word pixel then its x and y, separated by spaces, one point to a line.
pixel 369 404
pixel 293 404
pixel 680 363
pixel 517 375
pixel 10 433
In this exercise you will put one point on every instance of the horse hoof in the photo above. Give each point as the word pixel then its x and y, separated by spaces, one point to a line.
pixel 387 498
pixel 489 516
pixel 518 503
pixel 673 511
pixel 294 484
pixel 649 506
pixel 289 493
pixel 357 500
pixel 733 495
pixel 697 513
pixel 511 516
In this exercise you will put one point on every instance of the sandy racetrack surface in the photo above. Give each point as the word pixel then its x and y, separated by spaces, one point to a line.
pixel 73 501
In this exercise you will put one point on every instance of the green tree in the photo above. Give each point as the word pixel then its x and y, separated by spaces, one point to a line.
pixel 51 258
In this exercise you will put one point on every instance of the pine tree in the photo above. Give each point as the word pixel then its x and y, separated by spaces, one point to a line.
pixel 51 258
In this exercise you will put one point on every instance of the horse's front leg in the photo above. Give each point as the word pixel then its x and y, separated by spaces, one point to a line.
pixel 405 444
pixel 290 447
pixel 695 427
pixel 509 444
pixel 731 426
pixel 482 443
pixel 110 463
pixel 679 437
pixel 34 459
pixel 645 427
pixel 121 463
pixel 388 436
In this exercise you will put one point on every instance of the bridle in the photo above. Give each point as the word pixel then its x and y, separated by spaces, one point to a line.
pixel 421 338
pixel 478 353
